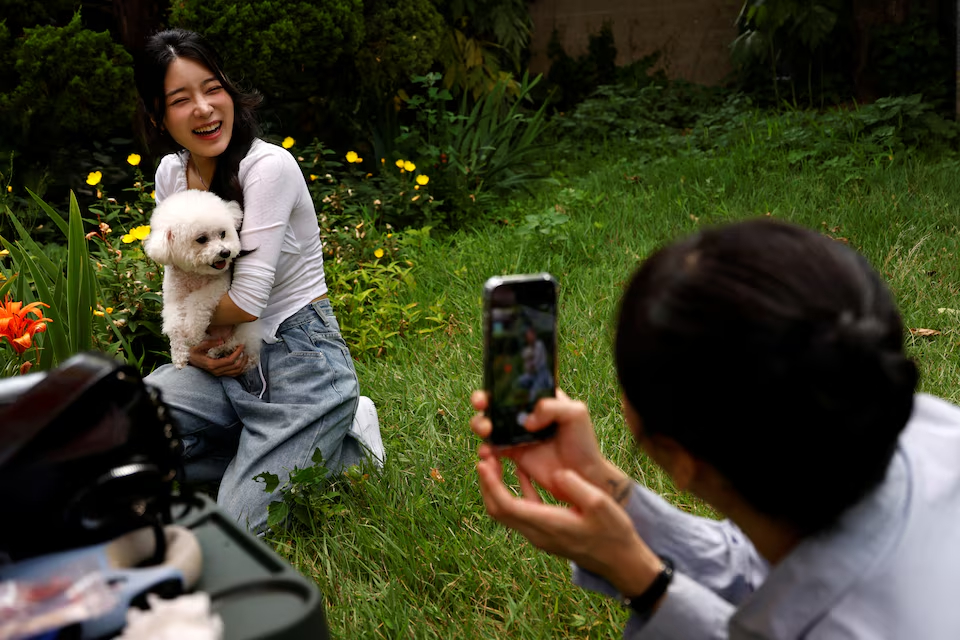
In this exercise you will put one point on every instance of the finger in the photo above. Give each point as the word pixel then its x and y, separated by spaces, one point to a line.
pixel 580 493
pixel 232 358
pixel 487 451
pixel 479 400
pixel 481 425
pixel 538 522
pixel 236 368
pixel 559 409
pixel 490 477
pixel 526 486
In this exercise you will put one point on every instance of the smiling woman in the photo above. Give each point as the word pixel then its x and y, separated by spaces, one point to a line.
pixel 236 424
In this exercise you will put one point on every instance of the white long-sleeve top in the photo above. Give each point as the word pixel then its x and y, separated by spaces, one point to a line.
pixel 285 271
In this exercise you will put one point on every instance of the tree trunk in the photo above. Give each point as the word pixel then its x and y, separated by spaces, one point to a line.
pixel 137 20
pixel 868 15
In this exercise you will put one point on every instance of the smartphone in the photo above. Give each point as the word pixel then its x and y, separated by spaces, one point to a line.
pixel 520 353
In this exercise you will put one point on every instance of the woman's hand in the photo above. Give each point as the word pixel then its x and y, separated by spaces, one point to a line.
pixel 574 447
pixel 595 532
pixel 230 365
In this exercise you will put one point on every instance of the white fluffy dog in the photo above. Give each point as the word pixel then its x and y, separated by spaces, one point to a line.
pixel 194 235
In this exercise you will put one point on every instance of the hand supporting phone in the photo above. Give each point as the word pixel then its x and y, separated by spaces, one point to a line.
pixel 520 352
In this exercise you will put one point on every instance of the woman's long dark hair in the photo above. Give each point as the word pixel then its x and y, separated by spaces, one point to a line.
pixel 776 355
pixel 151 72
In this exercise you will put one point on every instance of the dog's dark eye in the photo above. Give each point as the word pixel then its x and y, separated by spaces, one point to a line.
pixel 202 239
pixel 223 234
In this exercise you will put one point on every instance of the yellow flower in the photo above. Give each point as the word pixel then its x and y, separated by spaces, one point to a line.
pixel 133 159
pixel 94 177
pixel 378 253
pixel 409 166
pixel 97 312
pixel 137 233
pixel 109 310
pixel 153 194
pixel 422 179
pixel 287 142
pixel 416 187
pixel 399 164
pixel 389 235
pixel 313 177
pixel 352 157
pixel 9 188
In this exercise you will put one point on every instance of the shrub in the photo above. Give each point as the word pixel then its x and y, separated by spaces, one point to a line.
pixel 573 79
pixel 483 37
pixel 71 82
pixel 367 272
pixel 402 38
pixel 472 150
pixel 19 14
pixel 288 50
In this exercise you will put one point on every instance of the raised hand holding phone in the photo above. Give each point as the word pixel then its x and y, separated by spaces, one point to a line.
pixel 596 532
pixel 573 447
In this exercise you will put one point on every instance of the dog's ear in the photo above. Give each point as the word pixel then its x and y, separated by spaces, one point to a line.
pixel 236 212
pixel 159 244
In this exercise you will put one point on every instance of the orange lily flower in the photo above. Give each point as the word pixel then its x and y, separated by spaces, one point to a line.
pixel 17 328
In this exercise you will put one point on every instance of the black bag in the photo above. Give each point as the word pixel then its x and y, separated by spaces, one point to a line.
pixel 87 453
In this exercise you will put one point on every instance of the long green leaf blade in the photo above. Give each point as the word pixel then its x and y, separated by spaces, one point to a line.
pixel 57 219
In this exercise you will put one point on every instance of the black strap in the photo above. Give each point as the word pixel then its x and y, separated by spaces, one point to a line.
pixel 643 604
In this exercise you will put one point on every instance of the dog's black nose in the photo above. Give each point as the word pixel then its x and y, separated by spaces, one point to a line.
pixel 225 253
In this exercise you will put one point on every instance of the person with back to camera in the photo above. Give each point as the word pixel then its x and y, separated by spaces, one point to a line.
pixel 762 367
pixel 304 395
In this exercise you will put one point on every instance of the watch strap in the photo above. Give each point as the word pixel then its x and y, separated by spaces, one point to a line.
pixel 643 604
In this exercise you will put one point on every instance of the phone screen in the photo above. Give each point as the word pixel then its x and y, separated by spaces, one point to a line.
pixel 521 353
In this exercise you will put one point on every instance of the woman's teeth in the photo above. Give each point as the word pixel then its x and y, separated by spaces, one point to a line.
pixel 207 130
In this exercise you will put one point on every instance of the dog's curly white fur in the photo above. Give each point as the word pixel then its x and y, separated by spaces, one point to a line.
pixel 194 235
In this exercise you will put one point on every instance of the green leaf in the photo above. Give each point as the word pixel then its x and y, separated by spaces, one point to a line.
pixel 317 457
pixel 302 513
pixel 272 481
pixel 80 299
pixel 50 212
pixel 277 513
pixel 56 330
pixel 6 286
pixel 33 249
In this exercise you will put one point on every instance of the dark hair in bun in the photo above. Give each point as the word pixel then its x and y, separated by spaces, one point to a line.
pixel 776 355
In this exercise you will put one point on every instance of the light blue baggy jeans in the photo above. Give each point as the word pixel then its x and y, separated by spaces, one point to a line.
pixel 231 434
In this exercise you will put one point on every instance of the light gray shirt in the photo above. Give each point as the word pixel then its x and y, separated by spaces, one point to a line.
pixel 889 569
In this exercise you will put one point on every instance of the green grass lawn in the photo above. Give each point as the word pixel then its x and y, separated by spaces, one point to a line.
pixel 411 553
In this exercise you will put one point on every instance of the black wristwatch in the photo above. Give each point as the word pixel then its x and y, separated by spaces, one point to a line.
pixel 643 604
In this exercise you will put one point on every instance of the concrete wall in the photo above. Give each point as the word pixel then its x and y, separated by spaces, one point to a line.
pixel 693 35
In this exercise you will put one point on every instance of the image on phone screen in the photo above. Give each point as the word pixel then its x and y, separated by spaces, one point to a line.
pixel 522 354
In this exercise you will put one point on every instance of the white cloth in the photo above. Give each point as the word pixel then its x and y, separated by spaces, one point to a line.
pixel 889 569
pixel 285 270
pixel 185 618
